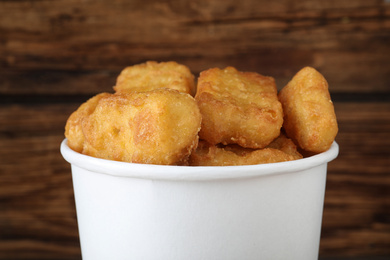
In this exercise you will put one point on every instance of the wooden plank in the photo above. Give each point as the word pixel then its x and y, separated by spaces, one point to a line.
pixel 37 212
pixel 362 72
pixel 357 202
pixel 48 46
pixel 54 83
pixel 18 119
pixel 364 128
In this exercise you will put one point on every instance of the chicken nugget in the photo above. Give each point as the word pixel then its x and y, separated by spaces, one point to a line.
pixel 285 144
pixel 238 107
pixel 73 131
pixel 153 75
pixel 309 116
pixel 233 155
pixel 156 127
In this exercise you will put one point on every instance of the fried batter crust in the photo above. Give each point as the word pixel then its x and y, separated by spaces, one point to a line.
pixel 238 107
pixel 73 130
pixel 233 155
pixel 153 75
pixel 309 116
pixel 286 145
pixel 156 127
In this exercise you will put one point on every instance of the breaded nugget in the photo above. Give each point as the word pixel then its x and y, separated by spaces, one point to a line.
pixel 309 116
pixel 238 107
pixel 73 131
pixel 285 144
pixel 153 75
pixel 232 155
pixel 156 127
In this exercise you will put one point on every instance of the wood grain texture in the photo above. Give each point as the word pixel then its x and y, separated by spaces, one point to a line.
pixel 52 43
pixel 56 54
pixel 356 218
pixel 37 214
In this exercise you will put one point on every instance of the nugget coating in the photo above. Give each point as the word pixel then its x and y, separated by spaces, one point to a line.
pixel 309 116
pixel 156 127
pixel 153 75
pixel 73 130
pixel 238 107
pixel 233 155
pixel 286 145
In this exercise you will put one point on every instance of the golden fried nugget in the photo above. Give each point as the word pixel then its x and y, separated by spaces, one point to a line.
pixel 285 144
pixel 309 116
pixel 232 155
pixel 156 127
pixel 73 131
pixel 238 107
pixel 152 75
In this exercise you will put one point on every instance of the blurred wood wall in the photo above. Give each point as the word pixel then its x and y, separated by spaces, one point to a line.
pixel 55 54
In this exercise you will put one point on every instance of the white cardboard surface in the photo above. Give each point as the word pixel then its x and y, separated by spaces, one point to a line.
pixel 236 214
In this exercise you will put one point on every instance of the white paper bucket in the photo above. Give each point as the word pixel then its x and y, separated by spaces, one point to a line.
pixel 139 211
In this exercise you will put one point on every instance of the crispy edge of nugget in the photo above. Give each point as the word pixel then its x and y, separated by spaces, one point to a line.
pixel 309 116
pixel 73 129
pixel 156 127
pixel 234 155
pixel 286 145
pixel 238 107
pixel 153 75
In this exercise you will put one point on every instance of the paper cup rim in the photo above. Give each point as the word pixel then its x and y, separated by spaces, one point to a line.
pixel 192 173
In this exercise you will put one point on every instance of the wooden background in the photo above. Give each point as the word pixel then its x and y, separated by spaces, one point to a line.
pixel 55 54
